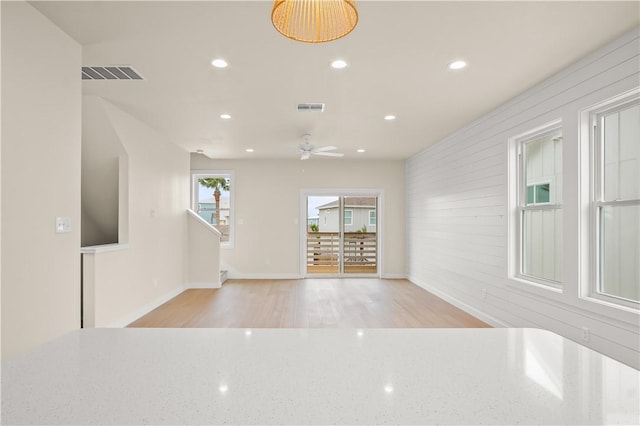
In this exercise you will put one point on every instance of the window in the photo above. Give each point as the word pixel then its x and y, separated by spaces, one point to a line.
pixel 372 217
pixel 538 194
pixel 212 201
pixel 539 206
pixel 615 200
pixel 348 217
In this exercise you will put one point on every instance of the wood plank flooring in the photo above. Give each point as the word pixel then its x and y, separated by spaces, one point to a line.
pixel 309 303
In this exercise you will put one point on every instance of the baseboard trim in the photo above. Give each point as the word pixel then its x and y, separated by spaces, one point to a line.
pixel 482 316
pixel 233 276
pixel 203 285
pixel 394 277
pixel 125 321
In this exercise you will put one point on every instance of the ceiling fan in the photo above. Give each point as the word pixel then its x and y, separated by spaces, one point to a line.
pixel 307 150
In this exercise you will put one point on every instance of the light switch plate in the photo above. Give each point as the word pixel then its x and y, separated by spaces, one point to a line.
pixel 63 224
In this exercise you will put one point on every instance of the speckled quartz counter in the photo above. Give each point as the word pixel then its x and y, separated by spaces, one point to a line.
pixel 317 376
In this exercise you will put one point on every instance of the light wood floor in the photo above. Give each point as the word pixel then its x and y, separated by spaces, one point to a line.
pixel 342 303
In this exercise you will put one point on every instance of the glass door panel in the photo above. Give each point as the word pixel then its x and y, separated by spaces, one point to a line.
pixel 341 235
pixel 323 235
pixel 360 239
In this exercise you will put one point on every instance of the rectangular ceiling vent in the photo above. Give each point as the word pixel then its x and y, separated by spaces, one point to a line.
pixel 310 107
pixel 110 73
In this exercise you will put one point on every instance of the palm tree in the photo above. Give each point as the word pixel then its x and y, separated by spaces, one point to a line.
pixel 216 184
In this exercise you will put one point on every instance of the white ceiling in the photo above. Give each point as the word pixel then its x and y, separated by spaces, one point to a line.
pixel 397 55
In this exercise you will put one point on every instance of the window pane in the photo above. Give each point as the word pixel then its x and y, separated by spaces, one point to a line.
pixel 214 202
pixel 620 251
pixel 542 244
pixel 348 217
pixel 542 193
pixel 621 148
pixel 530 199
pixel 543 169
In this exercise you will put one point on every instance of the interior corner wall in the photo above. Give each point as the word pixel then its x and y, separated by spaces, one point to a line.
pixel 267 209
pixel 40 179
pixel 131 281
pixel 458 208
pixel 101 152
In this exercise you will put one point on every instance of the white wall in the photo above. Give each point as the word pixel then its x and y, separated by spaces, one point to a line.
pixel 101 152
pixel 457 209
pixel 204 253
pixel 40 179
pixel 129 282
pixel 267 209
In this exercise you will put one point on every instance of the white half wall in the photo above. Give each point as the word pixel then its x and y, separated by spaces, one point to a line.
pixel 458 207
pixel 41 136
pixel 204 253
pixel 267 209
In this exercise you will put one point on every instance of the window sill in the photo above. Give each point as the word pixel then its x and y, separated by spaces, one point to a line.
pixel 529 283
pixel 609 304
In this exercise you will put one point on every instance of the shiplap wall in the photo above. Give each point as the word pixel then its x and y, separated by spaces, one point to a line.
pixel 457 210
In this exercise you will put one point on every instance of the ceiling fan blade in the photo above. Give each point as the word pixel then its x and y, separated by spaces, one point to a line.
pixel 329 154
pixel 324 148
pixel 305 155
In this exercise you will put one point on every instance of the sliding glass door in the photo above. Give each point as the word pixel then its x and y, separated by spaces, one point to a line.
pixel 341 235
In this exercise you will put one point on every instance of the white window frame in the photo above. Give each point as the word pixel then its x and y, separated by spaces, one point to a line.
pixel 592 153
pixel 198 174
pixel 350 223
pixel 518 206
pixel 375 216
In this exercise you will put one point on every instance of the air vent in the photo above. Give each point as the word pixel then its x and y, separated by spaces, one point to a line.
pixel 110 73
pixel 310 107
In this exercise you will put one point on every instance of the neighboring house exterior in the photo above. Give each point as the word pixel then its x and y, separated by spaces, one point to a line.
pixel 359 212
pixel 207 210
pixel 314 220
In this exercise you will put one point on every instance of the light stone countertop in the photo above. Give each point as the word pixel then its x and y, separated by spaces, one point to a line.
pixel 317 376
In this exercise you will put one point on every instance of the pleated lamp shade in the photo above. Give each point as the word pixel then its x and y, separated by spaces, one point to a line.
pixel 314 21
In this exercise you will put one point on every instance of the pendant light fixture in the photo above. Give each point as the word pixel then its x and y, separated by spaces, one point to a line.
pixel 314 21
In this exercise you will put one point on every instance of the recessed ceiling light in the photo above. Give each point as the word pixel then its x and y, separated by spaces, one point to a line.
pixel 457 65
pixel 223 388
pixel 225 116
pixel 219 63
pixel 389 117
pixel 338 64
pixel 361 150
pixel 249 149
pixel 388 389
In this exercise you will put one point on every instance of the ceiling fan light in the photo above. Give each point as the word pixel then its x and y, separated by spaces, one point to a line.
pixel 314 21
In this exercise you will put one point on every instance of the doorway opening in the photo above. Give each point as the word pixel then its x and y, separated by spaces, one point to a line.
pixel 341 237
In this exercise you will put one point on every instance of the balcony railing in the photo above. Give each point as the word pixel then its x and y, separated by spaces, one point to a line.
pixel 360 252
